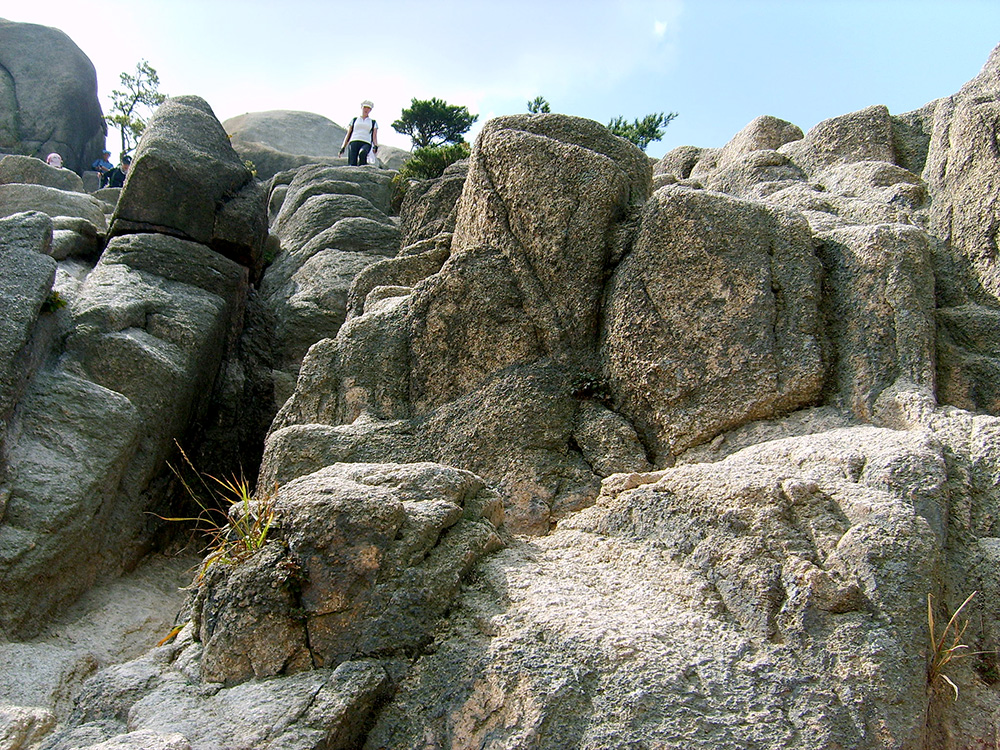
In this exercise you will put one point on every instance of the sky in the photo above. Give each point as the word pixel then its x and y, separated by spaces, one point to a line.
pixel 717 63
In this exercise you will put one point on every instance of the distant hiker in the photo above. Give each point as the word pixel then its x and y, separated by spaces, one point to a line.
pixel 116 177
pixel 362 137
pixel 103 166
pixel 54 160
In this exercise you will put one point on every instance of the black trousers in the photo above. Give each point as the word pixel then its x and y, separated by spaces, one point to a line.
pixel 357 153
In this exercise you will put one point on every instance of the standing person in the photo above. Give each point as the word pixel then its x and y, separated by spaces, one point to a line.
pixel 103 166
pixel 362 137
pixel 116 177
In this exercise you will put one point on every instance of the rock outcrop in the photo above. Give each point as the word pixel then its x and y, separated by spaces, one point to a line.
pixel 105 385
pixel 575 452
pixel 48 96
pixel 755 576
pixel 373 555
pixel 280 140
pixel 495 331
pixel 187 181
pixel 331 223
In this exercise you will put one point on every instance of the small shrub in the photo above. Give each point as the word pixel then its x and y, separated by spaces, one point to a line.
pixel 53 302
pixel 426 164
pixel 430 162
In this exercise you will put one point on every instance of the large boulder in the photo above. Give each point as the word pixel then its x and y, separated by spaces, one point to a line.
pixel 536 230
pixel 48 96
pixel 879 303
pixel 187 181
pixel 280 139
pixel 865 135
pixel 288 131
pixel 27 169
pixel 682 608
pixel 761 134
pixel 713 319
pixel 679 162
pixel 365 559
pixel 961 170
pixel 25 284
pixel 144 338
pixel 19 197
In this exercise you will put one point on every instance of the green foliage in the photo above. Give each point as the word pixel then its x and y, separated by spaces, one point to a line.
pixel 130 103
pixel 432 122
pixel 234 521
pixel 431 161
pixel 426 164
pixel 642 132
pixel 539 106
pixel 53 302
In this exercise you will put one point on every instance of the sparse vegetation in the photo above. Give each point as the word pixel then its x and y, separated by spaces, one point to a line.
pixel 426 164
pixel 538 106
pixel 642 132
pixel 948 646
pixel 53 302
pixel 234 521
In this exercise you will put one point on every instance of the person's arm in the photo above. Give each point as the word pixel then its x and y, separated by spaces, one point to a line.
pixel 347 138
pixel 374 137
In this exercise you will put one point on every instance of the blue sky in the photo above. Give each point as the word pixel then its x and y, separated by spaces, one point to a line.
pixel 718 63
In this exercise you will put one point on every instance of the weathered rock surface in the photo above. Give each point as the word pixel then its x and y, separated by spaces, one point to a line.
pixel 528 267
pixel 289 131
pixel 720 418
pixel 159 701
pixel 28 273
pixel 73 237
pixel 279 140
pixel 430 207
pixel 366 558
pixel 147 333
pixel 117 621
pixel 761 595
pixel 688 358
pixel 332 223
pixel 27 169
pixel 961 171
pixel 19 197
pixel 879 304
pixel 962 164
pixel 187 181
pixel 865 135
pixel 48 96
